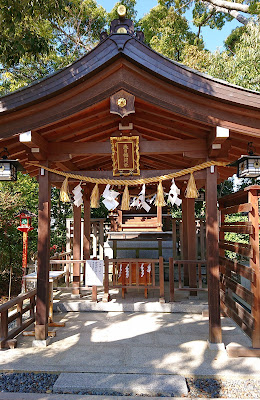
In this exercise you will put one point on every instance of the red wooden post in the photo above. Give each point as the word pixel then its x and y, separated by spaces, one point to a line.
pixel 174 239
pixel 42 302
pixel 76 250
pixel 254 262
pixel 159 218
pixel 171 278
pixel 106 281
pixel 161 278
pixel 212 231
pixel 192 250
pixel 184 243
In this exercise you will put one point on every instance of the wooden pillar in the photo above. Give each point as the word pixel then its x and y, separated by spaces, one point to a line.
pixel 184 242
pixel 174 239
pixel 189 241
pixel 212 232
pixel 254 263
pixel 159 218
pixel 42 303
pixel 94 239
pixel 101 240
pixel 87 225
pixel 76 249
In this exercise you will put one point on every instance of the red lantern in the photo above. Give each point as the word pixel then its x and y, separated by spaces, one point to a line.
pixel 25 227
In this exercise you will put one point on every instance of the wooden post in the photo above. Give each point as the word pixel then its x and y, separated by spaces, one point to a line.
pixel 174 239
pixel 101 240
pixel 189 243
pixel 212 232
pixel 106 281
pixel 76 250
pixel 42 302
pixel 181 239
pixel 87 225
pixel 94 240
pixel 171 278
pixel 161 278
pixel 184 242
pixel 192 250
pixel 159 241
pixel 159 218
pixel 254 263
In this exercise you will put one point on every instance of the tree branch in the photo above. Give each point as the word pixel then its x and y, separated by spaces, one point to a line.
pixel 77 41
pixel 229 5
pixel 235 14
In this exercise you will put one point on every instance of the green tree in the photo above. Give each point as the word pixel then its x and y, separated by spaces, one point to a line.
pixel 40 37
pixel 215 13
pixel 167 32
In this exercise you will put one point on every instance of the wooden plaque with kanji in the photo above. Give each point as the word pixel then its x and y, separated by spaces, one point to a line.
pixel 125 155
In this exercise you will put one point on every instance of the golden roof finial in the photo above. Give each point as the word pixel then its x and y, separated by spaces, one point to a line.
pixel 121 11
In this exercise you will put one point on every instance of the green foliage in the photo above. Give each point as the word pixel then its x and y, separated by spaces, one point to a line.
pixel 15 196
pixel 167 32
pixel 38 38
pixel 59 212
pixel 242 67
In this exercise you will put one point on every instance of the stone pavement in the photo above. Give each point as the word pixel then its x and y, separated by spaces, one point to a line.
pixel 133 343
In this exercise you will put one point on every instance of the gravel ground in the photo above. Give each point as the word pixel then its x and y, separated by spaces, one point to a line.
pixel 198 387
pixel 227 388
pixel 27 382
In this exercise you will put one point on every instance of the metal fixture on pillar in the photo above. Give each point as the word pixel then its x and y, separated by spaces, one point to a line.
pixel 248 166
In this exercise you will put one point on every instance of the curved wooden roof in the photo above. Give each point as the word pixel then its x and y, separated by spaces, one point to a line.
pixel 172 102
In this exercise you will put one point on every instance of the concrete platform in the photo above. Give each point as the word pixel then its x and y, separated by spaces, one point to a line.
pixel 122 384
pixel 134 302
pixel 134 343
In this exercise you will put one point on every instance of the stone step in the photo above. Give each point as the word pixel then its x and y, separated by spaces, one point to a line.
pixel 121 384
pixel 191 307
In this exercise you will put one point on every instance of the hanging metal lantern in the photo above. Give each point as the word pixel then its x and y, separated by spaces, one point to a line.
pixel 248 166
pixel 8 168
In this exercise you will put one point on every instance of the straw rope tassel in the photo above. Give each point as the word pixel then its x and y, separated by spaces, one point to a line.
pixel 191 192
pixel 94 198
pixel 125 199
pixel 64 195
pixel 139 181
pixel 160 196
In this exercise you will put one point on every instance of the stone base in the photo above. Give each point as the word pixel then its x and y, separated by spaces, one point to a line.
pixel 162 300
pixel 123 384
pixel 236 350
pixel 216 346
pixel 106 297
pixel 75 296
pixel 41 343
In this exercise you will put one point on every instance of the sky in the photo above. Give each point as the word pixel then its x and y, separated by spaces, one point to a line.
pixel 212 39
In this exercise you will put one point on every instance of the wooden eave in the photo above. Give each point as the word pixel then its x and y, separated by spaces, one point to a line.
pixel 172 102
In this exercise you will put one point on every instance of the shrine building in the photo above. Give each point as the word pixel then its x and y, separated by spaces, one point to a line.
pixel 125 116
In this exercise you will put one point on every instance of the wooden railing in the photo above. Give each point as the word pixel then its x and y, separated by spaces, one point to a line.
pixel 134 274
pixel 63 256
pixel 180 265
pixel 7 334
pixel 239 260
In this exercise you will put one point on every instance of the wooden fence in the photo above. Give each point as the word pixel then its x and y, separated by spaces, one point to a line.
pixel 7 331
pixel 134 274
pixel 63 256
pixel 239 260
pixel 176 273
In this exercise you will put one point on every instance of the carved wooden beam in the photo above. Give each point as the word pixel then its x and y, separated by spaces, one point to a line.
pixel 65 149
pixel 37 144
pixel 216 139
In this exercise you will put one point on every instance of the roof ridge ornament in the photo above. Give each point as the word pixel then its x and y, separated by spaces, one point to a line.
pixel 121 10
